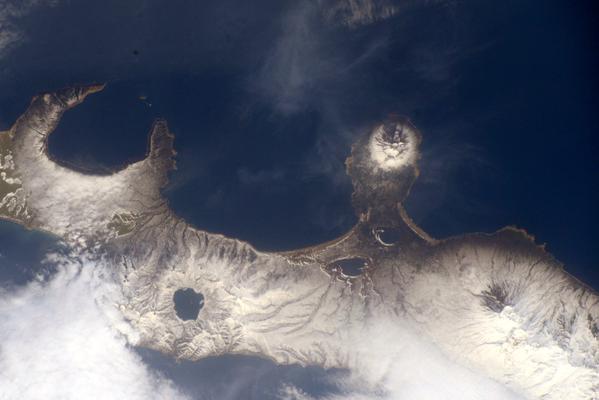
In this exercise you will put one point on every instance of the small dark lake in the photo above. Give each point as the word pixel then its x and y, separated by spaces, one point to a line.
pixel 188 303
pixel 350 266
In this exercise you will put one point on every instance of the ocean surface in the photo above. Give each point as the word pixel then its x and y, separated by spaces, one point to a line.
pixel 22 253
pixel 505 96
pixel 265 100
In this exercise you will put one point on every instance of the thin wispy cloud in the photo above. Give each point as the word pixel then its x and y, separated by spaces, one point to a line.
pixel 358 12
pixel 11 11
pixel 295 65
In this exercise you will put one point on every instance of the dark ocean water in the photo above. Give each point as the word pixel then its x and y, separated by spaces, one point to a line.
pixel 265 100
pixel 265 108
pixel 265 111
pixel 505 95
pixel 22 253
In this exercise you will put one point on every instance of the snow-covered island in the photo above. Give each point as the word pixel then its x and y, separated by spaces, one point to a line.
pixel 493 307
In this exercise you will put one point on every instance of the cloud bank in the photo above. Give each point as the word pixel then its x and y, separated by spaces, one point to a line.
pixel 61 338
pixel 395 363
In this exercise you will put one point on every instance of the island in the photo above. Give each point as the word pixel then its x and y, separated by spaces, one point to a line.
pixel 497 304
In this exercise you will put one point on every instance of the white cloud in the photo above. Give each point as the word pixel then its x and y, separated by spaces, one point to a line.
pixel 394 363
pixel 295 66
pixel 61 338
